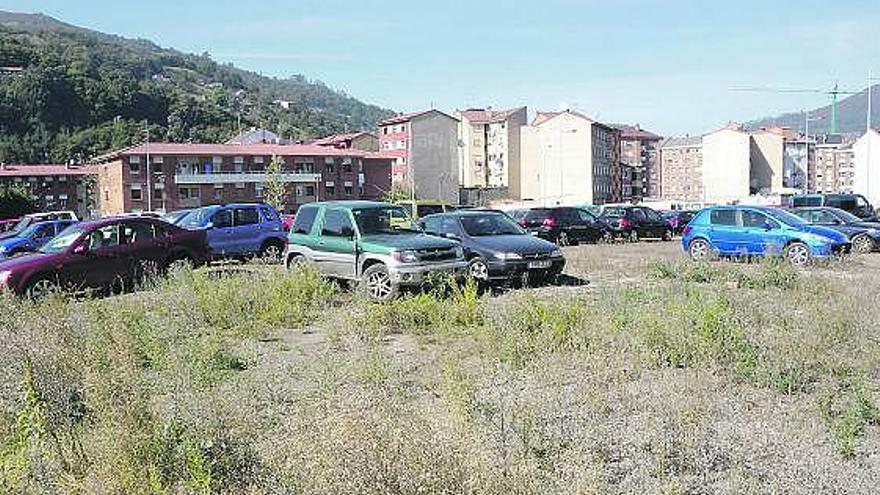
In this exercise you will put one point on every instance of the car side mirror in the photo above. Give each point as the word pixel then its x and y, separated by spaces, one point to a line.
pixel 81 250
pixel 209 225
pixel 347 232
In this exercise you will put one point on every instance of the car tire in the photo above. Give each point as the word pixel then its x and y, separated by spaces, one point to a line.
pixel 181 262
pixel 40 289
pixel 797 254
pixel 667 235
pixel 377 284
pixel 862 244
pixel 562 239
pixel 296 262
pixel 700 250
pixel 271 251
pixel 478 269
pixel 633 235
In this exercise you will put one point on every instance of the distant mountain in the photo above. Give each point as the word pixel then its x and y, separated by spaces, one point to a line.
pixel 851 115
pixel 68 92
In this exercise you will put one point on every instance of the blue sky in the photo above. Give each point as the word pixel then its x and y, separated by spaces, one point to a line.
pixel 668 65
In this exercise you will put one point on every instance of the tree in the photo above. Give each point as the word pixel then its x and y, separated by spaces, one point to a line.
pixel 15 202
pixel 398 192
pixel 276 188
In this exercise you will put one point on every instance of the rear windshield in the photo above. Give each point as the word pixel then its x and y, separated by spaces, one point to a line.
pixel 425 210
pixel 537 214
pixel 843 202
pixel 198 217
pixel 614 212
pixel 800 201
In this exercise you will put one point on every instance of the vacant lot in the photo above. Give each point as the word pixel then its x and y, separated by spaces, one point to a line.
pixel 644 373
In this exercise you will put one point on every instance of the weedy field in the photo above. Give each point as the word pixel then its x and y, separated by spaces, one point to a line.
pixel 644 374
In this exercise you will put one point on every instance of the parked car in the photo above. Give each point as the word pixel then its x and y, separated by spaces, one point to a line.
pixel 496 247
pixel 864 236
pixel 28 220
pixel 747 231
pixel 102 255
pixel 286 221
pixel 239 230
pixel 564 225
pixel 33 237
pixel 856 204
pixel 174 217
pixel 678 219
pixel 8 224
pixel 376 244
pixel 636 222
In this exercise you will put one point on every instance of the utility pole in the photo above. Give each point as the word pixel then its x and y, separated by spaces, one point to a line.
pixel 149 168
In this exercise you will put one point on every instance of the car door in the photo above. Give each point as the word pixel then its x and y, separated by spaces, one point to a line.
pixel 103 264
pixel 640 222
pixel 142 248
pixel 656 224
pixel 724 231
pixel 764 234
pixel 337 244
pixel 246 233
pixel 221 233
pixel 592 228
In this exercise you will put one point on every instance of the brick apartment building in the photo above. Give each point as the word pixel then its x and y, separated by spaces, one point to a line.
pixel 682 164
pixel 426 152
pixel 55 187
pixel 191 175
pixel 640 150
pixel 834 168
pixel 490 142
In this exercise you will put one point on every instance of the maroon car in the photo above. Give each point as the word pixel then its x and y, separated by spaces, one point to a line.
pixel 103 254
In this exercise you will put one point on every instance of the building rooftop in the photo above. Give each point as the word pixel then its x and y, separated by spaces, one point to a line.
pixel 488 116
pixel 677 142
pixel 21 170
pixel 633 132
pixel 201 149
pixel 337 139
pixel 406 117
pixel 542 117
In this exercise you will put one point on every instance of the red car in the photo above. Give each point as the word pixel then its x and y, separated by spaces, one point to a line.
pixel 111 253
pixel 286 221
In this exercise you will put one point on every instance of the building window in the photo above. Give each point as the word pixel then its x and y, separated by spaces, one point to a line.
pixel 258 189
pixel 218 192
pixel 330 190
pixel 348 190
pixel 329 168
pixel 134 168
pixel 136 194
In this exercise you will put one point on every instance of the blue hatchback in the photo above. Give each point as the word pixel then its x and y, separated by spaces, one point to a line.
pixel 33 237
pixel 239 230
pixel 759 231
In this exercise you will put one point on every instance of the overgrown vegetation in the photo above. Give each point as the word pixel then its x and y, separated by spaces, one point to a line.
pixel 252 380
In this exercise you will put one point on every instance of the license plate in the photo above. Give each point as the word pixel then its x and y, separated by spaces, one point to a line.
pixel 539 264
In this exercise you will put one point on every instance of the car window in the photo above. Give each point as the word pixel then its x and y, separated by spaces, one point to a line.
pixel 651 214
pixel 801 201
pixel 425 210
pixel 246 216
pixel 384 220
pixel 103 238
pixel 845 215
pixel 268 215
pixel 822 216
pixel 614 212
pixel 723 217
pixel 639 215
pixel 489 225
pixel 137 232
pixel 305 218
pixel 537 215
pixel 337 224
pixel 805 214
pixel 753 219
pixel 586 216
pixel 222 219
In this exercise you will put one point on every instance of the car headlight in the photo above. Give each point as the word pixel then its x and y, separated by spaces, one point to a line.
pixel 406 256
pixel 556 253
pixel 4 276
pixel 508 256
pixel 459 252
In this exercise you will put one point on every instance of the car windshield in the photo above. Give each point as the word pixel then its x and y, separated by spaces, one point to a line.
pixel 486 225
pixel 22 224
pixel 785 217
pixel 385 220
pixel 29 231
pixel 844 215
pixel 63 240
pixel 197 218
pixel 174 216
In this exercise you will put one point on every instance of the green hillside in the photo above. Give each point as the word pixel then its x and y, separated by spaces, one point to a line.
pixel 82 92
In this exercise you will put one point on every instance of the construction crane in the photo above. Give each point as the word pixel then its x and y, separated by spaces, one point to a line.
pixel 833 92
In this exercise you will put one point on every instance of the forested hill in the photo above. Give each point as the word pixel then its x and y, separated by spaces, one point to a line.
pixel 70 93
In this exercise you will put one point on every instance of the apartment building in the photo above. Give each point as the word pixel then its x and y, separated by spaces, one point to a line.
pixel 170 176
pixel 833 169
pixel 681 160
pixel 724 166
pixel 364 141
pixel 569 159
pixel 55 187
pixel 640 150
pixel 490 146
pixel 866 166
pixel 424 146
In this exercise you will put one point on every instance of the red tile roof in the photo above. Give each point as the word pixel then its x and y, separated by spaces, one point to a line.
pixel 337 139
pixel 20 170
pixel 406 117
pixel 200 149
pixel 634 132
pixel 482 116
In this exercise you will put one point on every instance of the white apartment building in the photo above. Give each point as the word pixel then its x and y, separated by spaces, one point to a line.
pixel 866 166
pixel 489 142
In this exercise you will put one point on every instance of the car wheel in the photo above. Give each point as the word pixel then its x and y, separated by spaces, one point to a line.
pixel 700 250
pixel 478 269
pixel 271 252
pixel 667 235
pixel 562 239
pixel 605 238
pixel 297 262
pixel 633 235
pixel 862 244
pixel 183 262
pixel 797 253
pixel 378 285
pixel 41 289
pixel 147 272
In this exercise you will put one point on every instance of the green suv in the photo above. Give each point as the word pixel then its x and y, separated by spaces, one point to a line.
pixel 376 244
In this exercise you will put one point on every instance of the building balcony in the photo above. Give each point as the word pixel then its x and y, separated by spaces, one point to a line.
pixel 243 177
